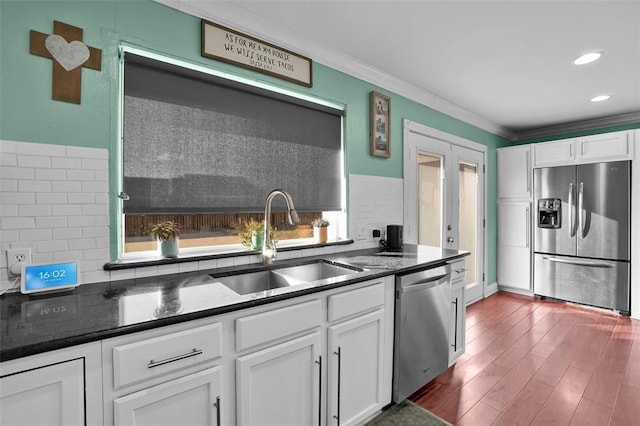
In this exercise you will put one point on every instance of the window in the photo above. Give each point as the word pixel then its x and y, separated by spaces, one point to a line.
pixel 205 151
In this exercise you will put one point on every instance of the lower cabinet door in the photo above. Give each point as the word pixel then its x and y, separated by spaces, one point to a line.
pixel 51 395
pixel 514 245
pixel 355 369
pixel 189 400
pixel 280 385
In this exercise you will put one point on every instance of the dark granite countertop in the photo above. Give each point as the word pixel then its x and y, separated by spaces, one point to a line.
pixel 32 324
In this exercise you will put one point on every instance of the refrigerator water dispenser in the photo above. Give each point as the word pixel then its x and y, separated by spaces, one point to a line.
pixel 549 212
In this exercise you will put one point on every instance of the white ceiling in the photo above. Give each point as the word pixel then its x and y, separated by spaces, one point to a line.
pixel 505 66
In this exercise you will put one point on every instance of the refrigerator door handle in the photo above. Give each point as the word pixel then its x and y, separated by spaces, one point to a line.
pixel 572 211
pixel 578 262
pixel 580 209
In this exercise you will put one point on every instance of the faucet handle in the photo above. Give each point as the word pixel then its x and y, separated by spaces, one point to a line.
pixel 274 250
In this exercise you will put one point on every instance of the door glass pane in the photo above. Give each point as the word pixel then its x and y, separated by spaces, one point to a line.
pixel 430 204
pixel 468 219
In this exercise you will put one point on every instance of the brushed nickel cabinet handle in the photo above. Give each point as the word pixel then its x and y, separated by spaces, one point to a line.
pixel 194 352
pixel 319 362
pixel 339 354
pixel 217 405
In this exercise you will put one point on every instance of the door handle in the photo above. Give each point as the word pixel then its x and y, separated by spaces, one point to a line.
pixel 339 355
pixel 578 262
pixel 426 284
pixel 217 405
pixel 572 212
pixel 194 352
pixel 450 239
pixel 319 362
pixel 580 209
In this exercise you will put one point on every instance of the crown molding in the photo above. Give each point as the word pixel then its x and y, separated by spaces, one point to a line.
pixel 234 16
pixel 578 126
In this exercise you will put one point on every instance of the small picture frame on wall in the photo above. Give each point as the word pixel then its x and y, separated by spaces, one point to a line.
pixel 380 125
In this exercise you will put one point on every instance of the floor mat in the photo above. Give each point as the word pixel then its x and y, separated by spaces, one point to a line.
pixel 407 414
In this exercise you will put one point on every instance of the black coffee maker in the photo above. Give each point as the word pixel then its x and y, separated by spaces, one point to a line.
pixel 393 240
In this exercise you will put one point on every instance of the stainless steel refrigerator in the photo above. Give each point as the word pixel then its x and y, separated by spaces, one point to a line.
pixel 582 239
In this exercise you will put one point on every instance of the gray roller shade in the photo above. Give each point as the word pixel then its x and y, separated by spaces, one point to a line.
pixel 198 143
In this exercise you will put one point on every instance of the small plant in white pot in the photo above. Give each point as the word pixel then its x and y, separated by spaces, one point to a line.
pixel 253 234
pixel 320 230
pixel 167 235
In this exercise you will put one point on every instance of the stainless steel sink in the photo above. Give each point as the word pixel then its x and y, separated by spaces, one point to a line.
pixel 316 271
pixel 255 282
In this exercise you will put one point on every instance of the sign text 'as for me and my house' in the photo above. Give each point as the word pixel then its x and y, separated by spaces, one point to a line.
pixel 227 45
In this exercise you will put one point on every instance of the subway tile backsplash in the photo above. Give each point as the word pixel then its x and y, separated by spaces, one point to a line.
pixel 374 202
pixel 55 200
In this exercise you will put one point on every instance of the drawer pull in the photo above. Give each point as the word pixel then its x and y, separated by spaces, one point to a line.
pixel 194 352
pixel 459 271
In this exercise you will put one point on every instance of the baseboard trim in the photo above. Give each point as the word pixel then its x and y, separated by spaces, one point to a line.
pixel 516 290
pixel 491 289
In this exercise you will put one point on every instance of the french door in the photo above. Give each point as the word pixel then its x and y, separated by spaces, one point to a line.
pixel 444 200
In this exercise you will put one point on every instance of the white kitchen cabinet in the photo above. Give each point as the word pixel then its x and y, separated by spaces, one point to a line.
pixel 355 369
pixel 514 245
pixel 605 147
pixel 514 172
pixel 167 375
pixel 54 388
pixel 280 385
pixel 51 395
pixel 190 400
pixel 458 312
pixel 616 146
pixel 514 218
pixel 293 381
pixel 556 153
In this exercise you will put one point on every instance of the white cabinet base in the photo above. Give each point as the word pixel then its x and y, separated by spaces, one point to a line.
pixel 355 369
pixel 514 245
pixel 280 385
pixel 189 400
pixel 51 395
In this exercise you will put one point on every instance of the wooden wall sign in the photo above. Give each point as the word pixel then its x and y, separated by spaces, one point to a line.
pixel 230 46
pixel 69 56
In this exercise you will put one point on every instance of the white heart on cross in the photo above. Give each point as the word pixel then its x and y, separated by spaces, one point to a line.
pixel 69 55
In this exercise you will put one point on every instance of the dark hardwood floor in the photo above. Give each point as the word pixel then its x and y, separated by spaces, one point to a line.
pixel 535 362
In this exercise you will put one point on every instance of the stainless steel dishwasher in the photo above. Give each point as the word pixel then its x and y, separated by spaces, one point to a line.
pixel 421 347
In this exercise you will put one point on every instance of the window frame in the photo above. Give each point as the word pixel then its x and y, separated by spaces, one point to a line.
pixel 337 218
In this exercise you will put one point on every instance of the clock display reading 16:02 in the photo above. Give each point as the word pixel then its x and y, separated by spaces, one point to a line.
pixel 52 276
pixel 56 273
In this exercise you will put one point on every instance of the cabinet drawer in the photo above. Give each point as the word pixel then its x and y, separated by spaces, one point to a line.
pixel 150 358
pixel 353 302
pixel 458 270
pixel 268 326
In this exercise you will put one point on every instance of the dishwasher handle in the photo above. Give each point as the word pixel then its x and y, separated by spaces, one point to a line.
pixel 427 283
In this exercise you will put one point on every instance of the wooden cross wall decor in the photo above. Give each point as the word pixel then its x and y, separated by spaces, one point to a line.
pixel 69 56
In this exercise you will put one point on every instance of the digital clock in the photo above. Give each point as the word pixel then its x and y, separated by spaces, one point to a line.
pixel 49 277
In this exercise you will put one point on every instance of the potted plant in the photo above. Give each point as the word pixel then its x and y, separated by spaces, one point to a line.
pixel 167 234
pixel 320 230
pixel 253 234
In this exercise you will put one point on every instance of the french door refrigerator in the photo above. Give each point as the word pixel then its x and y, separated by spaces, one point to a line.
pixel 582 239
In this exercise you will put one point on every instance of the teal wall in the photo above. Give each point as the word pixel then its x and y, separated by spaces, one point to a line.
pixel 28 114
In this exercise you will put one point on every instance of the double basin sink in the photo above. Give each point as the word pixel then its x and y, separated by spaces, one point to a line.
pixel 284 277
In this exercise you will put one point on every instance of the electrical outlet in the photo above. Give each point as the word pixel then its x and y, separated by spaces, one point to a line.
pixel 16 257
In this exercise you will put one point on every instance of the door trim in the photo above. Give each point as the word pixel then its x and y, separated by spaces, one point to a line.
pixel 409 172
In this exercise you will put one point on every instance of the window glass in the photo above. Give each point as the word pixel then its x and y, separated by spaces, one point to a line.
pixel 205 152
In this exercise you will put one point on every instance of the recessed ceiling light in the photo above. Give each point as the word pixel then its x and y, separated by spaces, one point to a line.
pixel 600 98
pixel 587 58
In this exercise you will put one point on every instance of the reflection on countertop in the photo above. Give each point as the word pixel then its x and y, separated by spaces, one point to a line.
pixel 32 324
